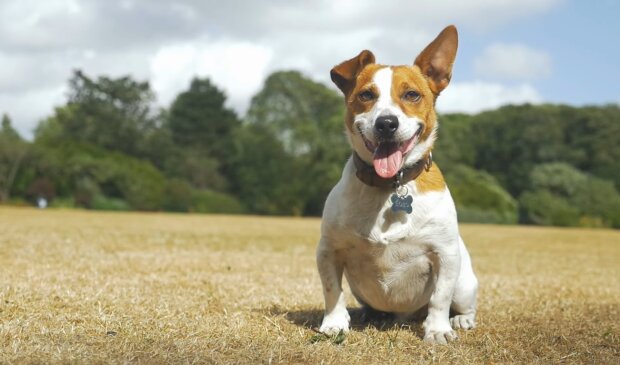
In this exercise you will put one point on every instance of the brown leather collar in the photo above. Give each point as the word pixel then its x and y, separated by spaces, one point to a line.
pixel 368 176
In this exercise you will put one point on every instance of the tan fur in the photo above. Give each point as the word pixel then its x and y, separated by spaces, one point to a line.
pixel 431 180
pixel 408 78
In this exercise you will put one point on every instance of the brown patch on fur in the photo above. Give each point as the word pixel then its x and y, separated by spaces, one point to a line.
pixel 437 58
pixel 345 73
pixel 410 78
pixel 363 83
pixel 431 180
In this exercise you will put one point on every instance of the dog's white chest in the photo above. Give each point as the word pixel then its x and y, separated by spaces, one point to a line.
pixel 387 255
pixel 356 211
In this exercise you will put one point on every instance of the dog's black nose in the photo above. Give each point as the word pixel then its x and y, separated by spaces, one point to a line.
pixel 386 126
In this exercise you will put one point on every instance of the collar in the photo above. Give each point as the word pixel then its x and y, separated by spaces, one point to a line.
pixel 368 176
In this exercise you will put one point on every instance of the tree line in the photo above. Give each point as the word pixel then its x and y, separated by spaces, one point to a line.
pixel 109 147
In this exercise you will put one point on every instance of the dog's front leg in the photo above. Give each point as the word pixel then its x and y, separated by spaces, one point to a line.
pixel 446 266
pixel 336 316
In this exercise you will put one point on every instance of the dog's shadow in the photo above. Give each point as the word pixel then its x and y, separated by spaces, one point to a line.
pixel 361 318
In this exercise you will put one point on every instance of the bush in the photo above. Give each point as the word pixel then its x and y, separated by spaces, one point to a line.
pixel 559 194
pixel 206 201
pixel 599 203
pixel 17 202
pixel 86 171
pixel 62 202
pixel 479 197
pixel 559 178
pixel 178 196
pixel 477 215
pixel 102 202
pixel 138 182
pixel 543 208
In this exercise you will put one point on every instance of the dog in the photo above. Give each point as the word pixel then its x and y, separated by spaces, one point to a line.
pixel 389 224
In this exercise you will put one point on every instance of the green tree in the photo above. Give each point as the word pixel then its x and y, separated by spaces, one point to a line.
pixel 264 175
pixel 307 118
pixel 511 140
pixel 199 118
pixel 544 208
pixel 595 132
pixel 88 174
pixel 201 126
pixel 194 166
pixel 13 151
pixel 559 194
pixel 110 113
pixel 7 128
pixel 479 197
pixel 455 143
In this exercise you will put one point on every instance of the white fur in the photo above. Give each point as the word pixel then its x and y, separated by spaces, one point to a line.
pixel 394 262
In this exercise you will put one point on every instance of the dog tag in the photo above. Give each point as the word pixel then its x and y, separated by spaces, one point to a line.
pixel 401 200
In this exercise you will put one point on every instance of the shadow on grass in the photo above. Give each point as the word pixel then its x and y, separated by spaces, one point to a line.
pixel 361 318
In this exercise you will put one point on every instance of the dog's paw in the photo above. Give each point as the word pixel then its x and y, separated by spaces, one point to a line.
pixel 464 321
pixel 438 332
pixel 334 323
pixel 440 337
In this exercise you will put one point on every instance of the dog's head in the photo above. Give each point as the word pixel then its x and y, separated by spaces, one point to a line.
pixel 391 119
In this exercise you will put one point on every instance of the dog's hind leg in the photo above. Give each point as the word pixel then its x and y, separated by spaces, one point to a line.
pixel 464 299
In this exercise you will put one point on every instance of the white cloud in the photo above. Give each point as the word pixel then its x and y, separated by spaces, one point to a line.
pixel 235 42
pixel 31 107
pixel 477 96
pixel 239 68
pixel 513 61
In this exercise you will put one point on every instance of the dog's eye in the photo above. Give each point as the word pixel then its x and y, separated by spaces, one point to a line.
pixel 366 95
pixel 411 96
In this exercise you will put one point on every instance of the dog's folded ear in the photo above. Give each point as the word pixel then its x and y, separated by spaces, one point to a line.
pixel 437 58
pixel 345 73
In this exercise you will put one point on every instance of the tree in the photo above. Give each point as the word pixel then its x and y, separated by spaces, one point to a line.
pixel 511 140
pixel 264 176
pixel 201 126
pixel 195 167
pixel 543 208
pixel 479 197
pixel 595 132
pixel 307 118
pixel 559 194
pixel 198 118
pixel 455 143
pixel 7 128
pixel 110 113
pixel 85 172
pixel 13 150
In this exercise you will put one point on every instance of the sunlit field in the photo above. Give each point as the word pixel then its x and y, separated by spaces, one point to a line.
pixel 89 287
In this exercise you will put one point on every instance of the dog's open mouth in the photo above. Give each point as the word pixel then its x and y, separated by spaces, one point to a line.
pixel 388 155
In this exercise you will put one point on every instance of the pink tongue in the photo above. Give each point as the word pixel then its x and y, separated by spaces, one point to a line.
pixel 387 160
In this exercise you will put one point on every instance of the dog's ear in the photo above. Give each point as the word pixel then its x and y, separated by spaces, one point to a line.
pixel 437 58
pixel 345 73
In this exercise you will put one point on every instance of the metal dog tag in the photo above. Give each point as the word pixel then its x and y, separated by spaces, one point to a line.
pixel 401 200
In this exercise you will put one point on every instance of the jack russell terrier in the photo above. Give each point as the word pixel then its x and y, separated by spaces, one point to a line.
pixel 390 223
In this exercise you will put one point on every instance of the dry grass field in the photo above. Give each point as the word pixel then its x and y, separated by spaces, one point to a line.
pixel 87 287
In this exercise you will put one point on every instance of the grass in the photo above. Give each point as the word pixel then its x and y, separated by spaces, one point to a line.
pixel 86 287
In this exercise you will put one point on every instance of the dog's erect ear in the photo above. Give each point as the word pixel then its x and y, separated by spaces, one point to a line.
pixel 437 58
pixel 345 73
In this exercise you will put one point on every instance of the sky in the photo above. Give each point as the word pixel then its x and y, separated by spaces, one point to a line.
pixel 510 51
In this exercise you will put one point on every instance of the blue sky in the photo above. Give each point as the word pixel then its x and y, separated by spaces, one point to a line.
pixel 582 39
pixel 510 51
